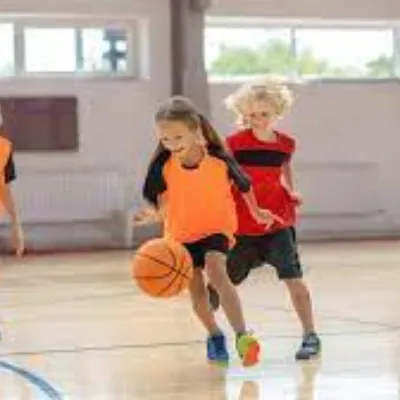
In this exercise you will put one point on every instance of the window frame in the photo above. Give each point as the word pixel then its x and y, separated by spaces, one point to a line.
pixel 130 25
pixel 296 24
pixel 13 72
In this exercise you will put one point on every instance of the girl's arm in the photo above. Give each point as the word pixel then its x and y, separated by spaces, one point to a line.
pixel 7 199
pixel 16 228
pixel 153 191
pixel 243 183
pixel 261 215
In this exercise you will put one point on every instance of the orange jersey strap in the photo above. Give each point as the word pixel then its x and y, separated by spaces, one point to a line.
pixel 155 183
pixel 199 200
pixel 5 153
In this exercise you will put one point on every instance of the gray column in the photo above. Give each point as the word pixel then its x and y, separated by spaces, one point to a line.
pixel 187 34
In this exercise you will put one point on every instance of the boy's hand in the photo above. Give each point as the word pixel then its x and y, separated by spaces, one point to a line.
pixel 296 198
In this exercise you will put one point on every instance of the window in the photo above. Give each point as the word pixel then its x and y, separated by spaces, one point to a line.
pixel 104 50
pixel 245 51
pixel 7 63
pixel 82 51
pixel 348 53
pixel 240 48
pixel 50 49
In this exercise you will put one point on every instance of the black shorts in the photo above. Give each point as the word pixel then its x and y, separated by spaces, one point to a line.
pixel 198 249
pixel 278 249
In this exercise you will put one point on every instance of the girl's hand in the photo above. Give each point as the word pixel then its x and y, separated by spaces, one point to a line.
pixel 146 216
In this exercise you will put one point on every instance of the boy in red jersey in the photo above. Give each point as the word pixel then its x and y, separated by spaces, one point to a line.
pixel 264 154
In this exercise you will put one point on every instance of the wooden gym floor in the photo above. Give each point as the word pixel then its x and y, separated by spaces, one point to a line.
pixel 75 327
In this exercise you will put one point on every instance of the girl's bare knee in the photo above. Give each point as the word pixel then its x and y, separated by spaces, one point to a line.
pixel 216 270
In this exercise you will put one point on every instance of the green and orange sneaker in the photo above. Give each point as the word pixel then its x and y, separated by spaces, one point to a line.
pixel 248 349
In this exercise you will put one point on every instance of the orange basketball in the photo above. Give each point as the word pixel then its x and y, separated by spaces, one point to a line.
pixel 162 268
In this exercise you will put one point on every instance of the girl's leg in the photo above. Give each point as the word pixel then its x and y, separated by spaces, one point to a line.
pixel 247 346
pixel 216 343
pixel 200 303
pixel 241 259
pixel 230 302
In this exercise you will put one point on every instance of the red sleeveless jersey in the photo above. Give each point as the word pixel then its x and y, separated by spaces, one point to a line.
pixel 263 162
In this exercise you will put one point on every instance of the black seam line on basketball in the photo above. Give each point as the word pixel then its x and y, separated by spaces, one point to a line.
pixel 180 283
pixel 182 276
pixel 172 281
pixel 153 259
pixel 176 344
pixel 180 273
pixel 174 259
pixel 152 277
pixel 177 275
pixel 171 268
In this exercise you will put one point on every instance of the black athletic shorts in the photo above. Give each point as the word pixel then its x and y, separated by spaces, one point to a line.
pixel 198 250
pixel 278 249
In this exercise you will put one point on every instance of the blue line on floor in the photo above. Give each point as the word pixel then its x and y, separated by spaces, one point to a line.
pixel 34 379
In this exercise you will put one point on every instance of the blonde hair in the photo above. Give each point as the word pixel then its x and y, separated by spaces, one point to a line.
pixel 271 90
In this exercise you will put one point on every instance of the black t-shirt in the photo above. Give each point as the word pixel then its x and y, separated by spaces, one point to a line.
pixel 9 170
pixel 155 184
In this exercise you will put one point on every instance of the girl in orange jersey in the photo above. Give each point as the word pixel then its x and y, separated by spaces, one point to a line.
pixel 189 183
pixel 7 203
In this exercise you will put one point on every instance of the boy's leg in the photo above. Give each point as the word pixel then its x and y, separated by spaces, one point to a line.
pixel 281 251
pixel 301 300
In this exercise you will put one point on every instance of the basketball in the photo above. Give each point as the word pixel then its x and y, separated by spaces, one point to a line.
pixel 162 268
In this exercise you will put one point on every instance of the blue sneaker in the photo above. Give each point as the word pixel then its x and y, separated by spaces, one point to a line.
pixel 216 349
pixel 310 347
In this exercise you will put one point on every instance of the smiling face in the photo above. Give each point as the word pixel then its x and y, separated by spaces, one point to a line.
pixel 260 115
pixel 177 136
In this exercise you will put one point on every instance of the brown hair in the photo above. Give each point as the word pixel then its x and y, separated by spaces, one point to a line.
pixel 179 108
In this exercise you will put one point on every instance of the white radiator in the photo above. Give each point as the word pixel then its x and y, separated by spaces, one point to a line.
pixel 60 196
pixel 95 194
pixel 339 188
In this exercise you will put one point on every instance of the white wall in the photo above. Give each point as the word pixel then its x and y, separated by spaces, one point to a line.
pixel 115 121
pixel 347 161
pixel 357 9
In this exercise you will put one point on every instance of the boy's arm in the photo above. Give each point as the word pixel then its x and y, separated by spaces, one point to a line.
pixel 288 183
pixel 288 176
